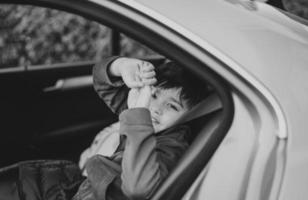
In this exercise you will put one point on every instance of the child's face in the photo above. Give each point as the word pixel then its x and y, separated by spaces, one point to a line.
pixel 166 108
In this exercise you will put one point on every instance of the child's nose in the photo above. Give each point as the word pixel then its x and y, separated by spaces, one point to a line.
pixel 156 109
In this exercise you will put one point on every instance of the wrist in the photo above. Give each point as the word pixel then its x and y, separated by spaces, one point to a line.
pixel 144 98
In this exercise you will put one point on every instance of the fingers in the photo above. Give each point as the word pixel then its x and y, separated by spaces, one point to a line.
pixel 146 67
pixel 151 81
pixel 147 73
pixel 133 82
pixel 147 78
pixel 140 76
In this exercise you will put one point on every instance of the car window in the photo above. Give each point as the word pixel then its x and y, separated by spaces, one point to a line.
pixel 32 36
pixel 37 36
pixel 132 48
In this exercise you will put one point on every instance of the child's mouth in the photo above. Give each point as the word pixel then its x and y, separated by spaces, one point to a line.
pixel 154 121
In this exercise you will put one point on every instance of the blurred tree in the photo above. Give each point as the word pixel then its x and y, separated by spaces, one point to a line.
pixel 9 41
pixel 131 48
pixel 36 36
pixel 297 7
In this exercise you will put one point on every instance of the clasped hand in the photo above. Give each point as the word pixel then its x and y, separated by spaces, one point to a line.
pixel 139 76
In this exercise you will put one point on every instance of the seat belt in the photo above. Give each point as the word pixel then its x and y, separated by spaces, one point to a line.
pixel 209 105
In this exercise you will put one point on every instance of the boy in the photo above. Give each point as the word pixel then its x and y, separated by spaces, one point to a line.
pixel 149 102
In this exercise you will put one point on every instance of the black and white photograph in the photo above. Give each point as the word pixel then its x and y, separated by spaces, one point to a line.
pixel 153 100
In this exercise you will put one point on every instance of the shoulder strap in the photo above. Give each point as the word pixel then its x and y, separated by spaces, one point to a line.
pixel 208 105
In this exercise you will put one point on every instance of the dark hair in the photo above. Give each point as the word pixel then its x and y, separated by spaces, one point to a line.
pixel 172 75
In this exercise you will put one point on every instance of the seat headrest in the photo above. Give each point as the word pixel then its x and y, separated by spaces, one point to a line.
pixel 209 105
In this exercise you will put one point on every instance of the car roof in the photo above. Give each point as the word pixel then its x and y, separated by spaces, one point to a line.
pixel 263 41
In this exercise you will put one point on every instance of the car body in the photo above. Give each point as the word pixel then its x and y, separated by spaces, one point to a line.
pixel 255 56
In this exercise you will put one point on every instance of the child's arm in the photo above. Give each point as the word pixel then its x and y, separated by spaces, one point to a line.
pixel 114 76
pixel 147 159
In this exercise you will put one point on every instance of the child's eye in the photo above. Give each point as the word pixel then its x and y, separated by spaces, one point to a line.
pixel 173 107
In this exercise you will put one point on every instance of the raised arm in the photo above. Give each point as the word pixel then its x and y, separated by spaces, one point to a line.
pixel 147 159
pixel 111 90
pixel 114 76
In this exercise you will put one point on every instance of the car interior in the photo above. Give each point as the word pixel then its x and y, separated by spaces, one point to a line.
pixel 49 110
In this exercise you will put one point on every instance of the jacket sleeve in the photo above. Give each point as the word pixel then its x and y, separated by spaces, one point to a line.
pixel 146 160
pixel 111 89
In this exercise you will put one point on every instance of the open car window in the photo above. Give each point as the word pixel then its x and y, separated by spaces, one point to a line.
pixel 36 36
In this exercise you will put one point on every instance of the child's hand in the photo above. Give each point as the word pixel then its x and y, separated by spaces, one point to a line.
pixel 147 74
pixel 134 72
pixel 139 97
